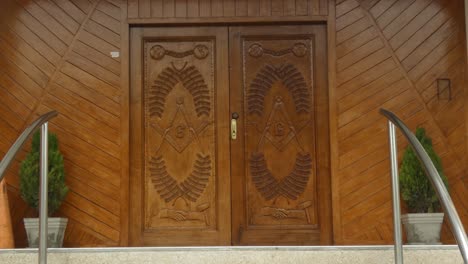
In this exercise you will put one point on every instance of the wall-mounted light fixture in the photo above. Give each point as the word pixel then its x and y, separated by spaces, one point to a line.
pixel 444 89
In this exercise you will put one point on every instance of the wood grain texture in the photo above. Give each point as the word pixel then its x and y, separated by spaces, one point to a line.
pixel 226 8
pixel 280 159
pixel 180 178
pixel 390 54
pixel 55 55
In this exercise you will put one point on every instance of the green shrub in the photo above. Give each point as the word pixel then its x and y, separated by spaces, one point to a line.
pixel 416 188
pixel 30 175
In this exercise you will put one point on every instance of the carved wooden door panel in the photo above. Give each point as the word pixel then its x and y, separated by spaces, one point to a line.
pixel 280 164
pixel 180 178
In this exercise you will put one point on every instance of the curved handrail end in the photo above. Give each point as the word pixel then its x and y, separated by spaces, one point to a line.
pixel 15 148
pixel 437 183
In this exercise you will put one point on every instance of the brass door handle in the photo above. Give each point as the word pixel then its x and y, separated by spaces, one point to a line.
pixel 234 118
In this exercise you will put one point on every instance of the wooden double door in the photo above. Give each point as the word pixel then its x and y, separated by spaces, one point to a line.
pixel 229 136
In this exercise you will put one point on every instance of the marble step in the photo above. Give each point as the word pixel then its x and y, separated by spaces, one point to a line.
pixel 442 254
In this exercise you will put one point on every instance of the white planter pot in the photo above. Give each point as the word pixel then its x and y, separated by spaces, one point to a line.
pixel 55 228
pixel 423 229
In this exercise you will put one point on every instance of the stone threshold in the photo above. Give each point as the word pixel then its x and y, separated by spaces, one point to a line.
pixel 232 248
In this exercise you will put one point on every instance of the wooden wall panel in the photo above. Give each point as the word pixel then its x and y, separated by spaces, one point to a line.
pixel 225 8
pixel 56 55
pixel 390 54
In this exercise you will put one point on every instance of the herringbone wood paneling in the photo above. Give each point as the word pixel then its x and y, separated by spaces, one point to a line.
pixel 56 55
pixel 390 54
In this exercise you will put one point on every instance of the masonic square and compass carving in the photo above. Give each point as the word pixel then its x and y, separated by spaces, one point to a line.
pixel 180 157
pixel 279 111
pixel 179 127
pixel 229 136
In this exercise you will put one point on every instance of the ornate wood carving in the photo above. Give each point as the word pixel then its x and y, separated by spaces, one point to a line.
pixel 298 49
pixel 158 52
pixel 165 185
pixel 199 214
pixel 290 77
pixel 191 79
pixel 179 134
pixel 196 183
pixel 190 189
pixel 180 181
pixel 280 132
pixel 290 186
pixel 301 212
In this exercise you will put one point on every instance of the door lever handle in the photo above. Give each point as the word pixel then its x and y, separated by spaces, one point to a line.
pixel 235 116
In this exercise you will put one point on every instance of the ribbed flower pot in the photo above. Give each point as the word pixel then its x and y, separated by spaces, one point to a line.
pixel 423 229
pixel 56 230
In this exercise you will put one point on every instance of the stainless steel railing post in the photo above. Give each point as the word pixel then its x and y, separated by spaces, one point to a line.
pixel 434 177
pixel 396 194
pixel 43 195
pixel 9 157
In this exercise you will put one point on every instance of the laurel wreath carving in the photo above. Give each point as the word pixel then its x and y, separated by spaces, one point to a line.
pixel 290 187
pixel 291 78
pixel 190 189
pixel 191 79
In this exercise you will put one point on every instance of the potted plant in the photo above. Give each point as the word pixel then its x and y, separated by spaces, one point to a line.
pixel 57 190
pixel 423 222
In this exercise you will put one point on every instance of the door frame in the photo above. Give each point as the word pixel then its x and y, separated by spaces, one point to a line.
pixel 328 20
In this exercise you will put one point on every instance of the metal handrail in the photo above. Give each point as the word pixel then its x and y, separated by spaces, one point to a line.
pixel 42 122
pixel 16 147
pixel 434 177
